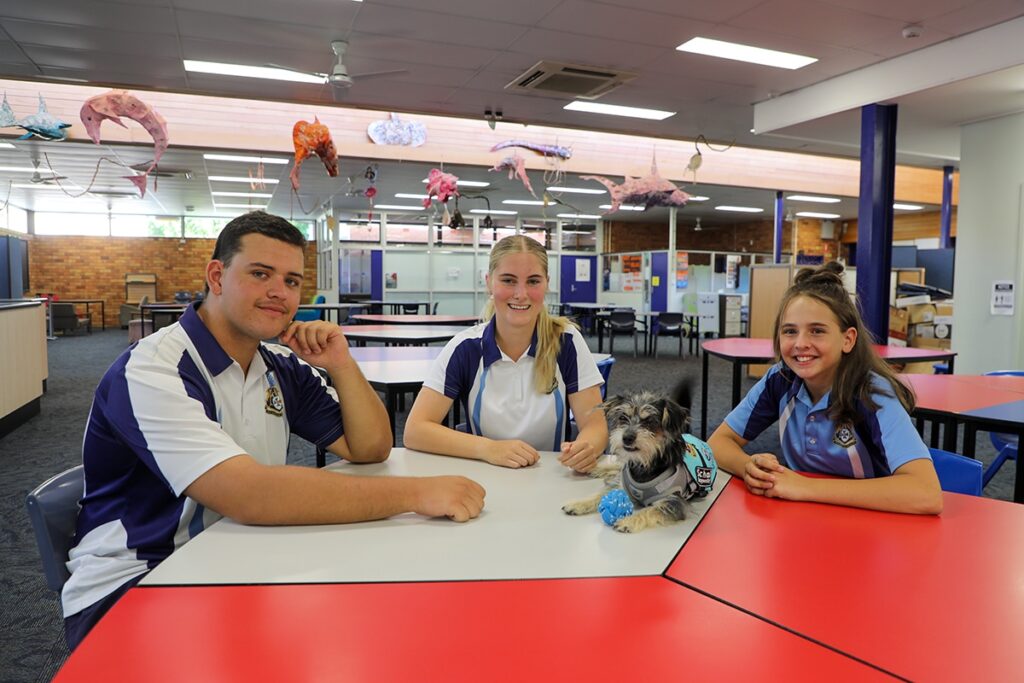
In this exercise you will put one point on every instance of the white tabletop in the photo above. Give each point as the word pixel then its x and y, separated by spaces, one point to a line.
pixel 396 369
pixel 522 533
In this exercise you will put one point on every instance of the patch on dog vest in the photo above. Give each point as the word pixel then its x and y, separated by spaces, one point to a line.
pixel 845 436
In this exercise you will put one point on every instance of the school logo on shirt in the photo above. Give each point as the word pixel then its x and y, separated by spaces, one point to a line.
pixel 845 436
pixel 275 402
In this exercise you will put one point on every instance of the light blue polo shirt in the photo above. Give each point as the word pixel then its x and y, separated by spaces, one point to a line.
pixel 497 393
pixel 876 446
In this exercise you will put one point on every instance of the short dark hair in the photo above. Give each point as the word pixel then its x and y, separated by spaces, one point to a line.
pixel 229 242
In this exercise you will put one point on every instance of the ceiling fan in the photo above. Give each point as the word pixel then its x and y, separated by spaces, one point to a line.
pixel 39 179
pixel 339 77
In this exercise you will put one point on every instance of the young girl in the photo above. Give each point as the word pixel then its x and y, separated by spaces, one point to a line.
pixel 841 411
pixel 512 375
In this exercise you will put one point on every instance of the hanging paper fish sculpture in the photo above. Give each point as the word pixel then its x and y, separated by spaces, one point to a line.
pixel 309 139
pixel 111 106
pixel 442 186
pixel 649 190
pixel 42 124
pixel 543 150
pixel 516 167
pixel 7 117
pixel 394 131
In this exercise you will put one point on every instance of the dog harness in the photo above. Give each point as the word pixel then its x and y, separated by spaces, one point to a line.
pixel 694 476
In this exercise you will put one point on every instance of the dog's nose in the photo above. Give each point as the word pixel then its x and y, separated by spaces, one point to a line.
pixel 628 438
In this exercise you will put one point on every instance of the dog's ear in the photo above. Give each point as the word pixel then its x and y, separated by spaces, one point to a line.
pixel 612 402
pixel 673 417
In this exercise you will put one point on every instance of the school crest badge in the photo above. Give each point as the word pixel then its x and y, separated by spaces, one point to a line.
pixel 845 436
pixel 275 403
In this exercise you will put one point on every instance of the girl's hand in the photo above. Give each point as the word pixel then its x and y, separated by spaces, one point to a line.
pixel 760 473
pixel 580 455
pixel 510 453
pixel 789 485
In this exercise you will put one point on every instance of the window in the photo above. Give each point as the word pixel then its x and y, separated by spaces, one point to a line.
pixel 96 224
pixel 198 226
pixel 145 226
pixel 406 228
pixel 579 237
pixel 14 218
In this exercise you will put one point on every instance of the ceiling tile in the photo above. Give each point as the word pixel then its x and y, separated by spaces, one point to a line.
pixel 124 42
pixel 336 15
pixel 454 29
pixel 102 15
pixel 714 12
pixel 540 44
pixel 799 19
pixel 522 13
pixel 622 24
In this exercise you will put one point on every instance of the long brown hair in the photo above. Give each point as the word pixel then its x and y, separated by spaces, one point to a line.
pixel 852 381
pixel 549 328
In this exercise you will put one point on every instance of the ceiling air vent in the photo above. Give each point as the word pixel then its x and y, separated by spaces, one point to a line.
pixel 574 80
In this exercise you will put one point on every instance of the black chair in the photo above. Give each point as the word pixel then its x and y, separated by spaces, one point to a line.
pixel 434 311
pixel 670 324
pixel 53 510
pixel 410 309
pixel 621 321
pixel 66 320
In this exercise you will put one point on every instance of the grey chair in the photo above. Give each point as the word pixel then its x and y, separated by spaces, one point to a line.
pixel 53 509
pixel 66 320
pixel 670 324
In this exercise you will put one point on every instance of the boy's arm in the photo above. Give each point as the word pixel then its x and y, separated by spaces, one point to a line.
pixel 252 493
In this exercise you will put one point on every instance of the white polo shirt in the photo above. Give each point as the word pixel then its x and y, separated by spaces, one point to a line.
pixel 497 392
pixel 169 409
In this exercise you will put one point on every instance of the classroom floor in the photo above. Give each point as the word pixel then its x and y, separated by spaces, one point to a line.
pixel 32 644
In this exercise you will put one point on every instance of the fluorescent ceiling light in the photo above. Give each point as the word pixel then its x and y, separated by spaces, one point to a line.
pixel 816 214
pixel 468 183
pixel 34 186
pixel 617 110
pixel 25 169
pixel 407 195
pixel 579 215
pixel 745 53
pixel 525 202
pixel 245 159
pixel 240 179
pixel 398 207
pixel 7 145
pixel 907 207
pixel 623 207
pixel 253 207
pixel 242 194
pixel 739 209
pixel 698 198
pixel 246 71
pixel 577 232
pixel 811 198
pixel 496 212
pixel 575 190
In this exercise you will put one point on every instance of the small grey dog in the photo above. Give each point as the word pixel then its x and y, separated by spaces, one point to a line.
pixel 645 432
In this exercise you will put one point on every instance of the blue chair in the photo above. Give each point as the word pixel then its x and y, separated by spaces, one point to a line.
pixel 605 368
pixel 670 324
pixel 1006 445
pixel 957 474
pixel 306 316
pixel 53 509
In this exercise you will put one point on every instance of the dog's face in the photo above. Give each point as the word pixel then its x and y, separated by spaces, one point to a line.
pixel 642 425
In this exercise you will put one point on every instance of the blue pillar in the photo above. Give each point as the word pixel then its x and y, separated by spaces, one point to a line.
pixel 780 209
pixel 945 240
pixel 874 215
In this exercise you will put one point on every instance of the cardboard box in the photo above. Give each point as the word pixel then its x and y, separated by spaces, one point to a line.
pixel 898 320
pixel 919 368
pixel 943 309
pixel 896 341
pixel 925 343
pixel 922 330
pixel 943 330
pixel 921 313
pixel 906 301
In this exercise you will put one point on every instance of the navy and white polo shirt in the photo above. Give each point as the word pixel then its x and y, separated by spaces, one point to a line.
pixel 876 446
pixel 168 410
pixel 498 393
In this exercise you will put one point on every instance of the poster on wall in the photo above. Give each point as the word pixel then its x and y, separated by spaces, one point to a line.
pixel 391 281
pixel 632 273
pixel 582 270
pixel 1002 297
pixel 682 270
pixel 732 269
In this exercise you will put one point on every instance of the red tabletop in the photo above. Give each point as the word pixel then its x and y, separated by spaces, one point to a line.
pixel 927 598
pixel 624 629
pixel 955 394
pixel 1013 383
pixel 416 319
pixel 761 349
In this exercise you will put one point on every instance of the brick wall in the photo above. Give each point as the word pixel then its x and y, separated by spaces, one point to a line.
pixel 742 237
pixel 75 267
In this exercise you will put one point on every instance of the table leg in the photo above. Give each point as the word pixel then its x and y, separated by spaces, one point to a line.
pixel 1018 485
pixel 736 383
pixel 970 436
pixel 949 434
pixel 704 399
pixel 600 334
pixel 391 401
pixel 103 315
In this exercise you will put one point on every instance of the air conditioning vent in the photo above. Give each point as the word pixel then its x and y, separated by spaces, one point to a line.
pixel 574 80
pixel 162 171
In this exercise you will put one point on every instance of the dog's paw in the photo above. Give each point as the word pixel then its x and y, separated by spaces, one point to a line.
pixel 580 507
pixel 626 526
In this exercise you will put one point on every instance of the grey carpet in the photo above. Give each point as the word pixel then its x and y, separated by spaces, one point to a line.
pixel 31 630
